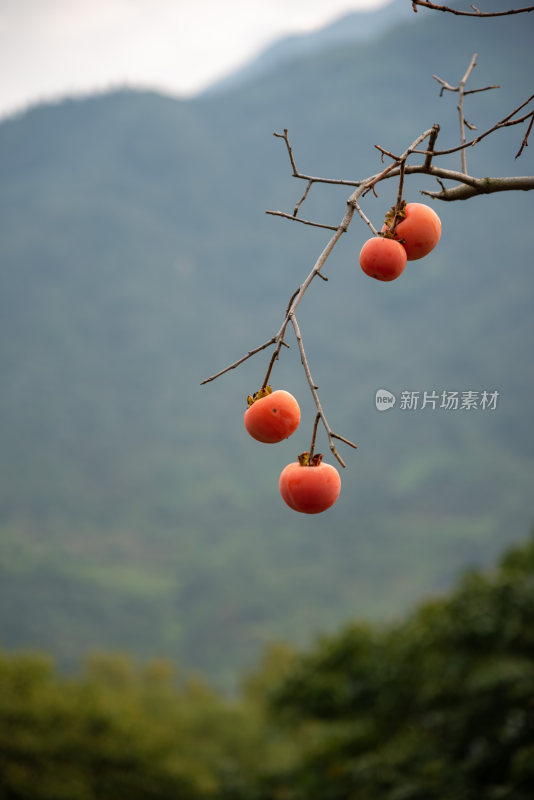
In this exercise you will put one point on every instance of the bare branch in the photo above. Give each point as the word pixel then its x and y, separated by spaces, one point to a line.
pixel 467 186
pixel 285 137
pixel 303 198
pixel 240 360
pixel 310 178
pixel 437 172
pixel 320 413
pixel 470 125
pixel 478 185
pixel 474 13
pixel 386 152
pixel 484 186
pixel 398 204
pixel 353 200
pixel 524 143
pixel 461 86
pixel 298 219
pixel 431 142
pixel 445 86
pixel 503 123
pixel 393 169
pixel 482 89
pixel 314 435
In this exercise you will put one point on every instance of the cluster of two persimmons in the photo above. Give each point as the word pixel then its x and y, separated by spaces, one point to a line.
pixel 309 485
pixel 409 233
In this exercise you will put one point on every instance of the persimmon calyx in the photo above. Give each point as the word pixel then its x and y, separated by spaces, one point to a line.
pixel 390 216
pixel 387 234
pixel 259 394
pixel 309 460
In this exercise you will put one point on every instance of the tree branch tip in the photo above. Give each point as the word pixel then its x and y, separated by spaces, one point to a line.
pixel 344 440
pixel 337 456
pixel 303 221
pixel 474 13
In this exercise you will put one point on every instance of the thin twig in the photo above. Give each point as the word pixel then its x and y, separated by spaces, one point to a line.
pixel 386 152
pixel 398 204
pixel 240 360
pixel 393 169
pixel 320 413
pixel 470 126
pixel 461 92
pixel 461 87
pixel 505 122
pixel 524 143
pixel 275 356
pixel 310 178
pixel 353 200
pixel 314 435
pixel 482 89
pixel 475 13
pixel 370 183
pixel 303 198
pixel 431 142
pixel 285 137
pixel 298 219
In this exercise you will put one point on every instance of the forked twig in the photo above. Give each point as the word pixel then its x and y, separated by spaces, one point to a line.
pixel 445 86
pixel 505 122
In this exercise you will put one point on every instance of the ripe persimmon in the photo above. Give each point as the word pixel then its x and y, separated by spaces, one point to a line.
pixel 309 485
pixel 271 416
pixel 419 229
pixel 382 258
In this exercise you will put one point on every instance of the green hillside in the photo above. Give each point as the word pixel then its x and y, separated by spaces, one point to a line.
pixel 434 706
pixel 136 259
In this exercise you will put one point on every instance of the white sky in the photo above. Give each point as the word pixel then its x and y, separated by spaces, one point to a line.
pixel 49 48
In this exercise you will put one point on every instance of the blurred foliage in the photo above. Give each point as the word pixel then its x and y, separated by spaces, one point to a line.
pixel 122 732
pixel 439 705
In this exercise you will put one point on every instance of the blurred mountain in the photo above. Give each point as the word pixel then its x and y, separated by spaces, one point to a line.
pixel 136 259
pixel 358 26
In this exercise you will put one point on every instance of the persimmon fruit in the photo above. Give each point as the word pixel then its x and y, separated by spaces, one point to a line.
pixel 383 258
pixel 309 485
pixel 419 229
pixel 271 416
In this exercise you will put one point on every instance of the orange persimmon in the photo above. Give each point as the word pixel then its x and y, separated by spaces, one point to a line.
pixel 272 416
pixel 310 486
pixel 382 258
pixel 419 229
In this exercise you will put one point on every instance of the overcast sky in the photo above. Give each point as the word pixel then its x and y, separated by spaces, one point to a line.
pixel 49 48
